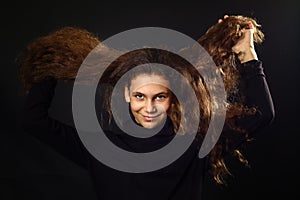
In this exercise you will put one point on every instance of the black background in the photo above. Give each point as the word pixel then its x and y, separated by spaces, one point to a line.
pixel 43 174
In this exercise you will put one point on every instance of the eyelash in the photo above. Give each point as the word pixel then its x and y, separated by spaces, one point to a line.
pixel 160 97
pixel 141 97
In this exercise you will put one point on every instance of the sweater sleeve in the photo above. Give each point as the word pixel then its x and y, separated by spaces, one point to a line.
pixel 37 122
pixel 254 89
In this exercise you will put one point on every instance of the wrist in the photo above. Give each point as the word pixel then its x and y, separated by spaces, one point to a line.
pixel 247 55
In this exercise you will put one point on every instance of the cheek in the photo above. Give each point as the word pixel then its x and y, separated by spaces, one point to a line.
pixel 135 106
pixel 167 106
pixel 164 106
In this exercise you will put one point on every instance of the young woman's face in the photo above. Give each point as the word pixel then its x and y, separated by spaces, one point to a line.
pixel 149 99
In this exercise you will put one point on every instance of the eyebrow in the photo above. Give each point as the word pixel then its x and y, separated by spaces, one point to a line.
pixel 161 93
pixel 137 93
pixel 165 93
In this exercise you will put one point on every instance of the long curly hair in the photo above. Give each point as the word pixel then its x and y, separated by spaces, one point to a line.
pixel 182 119
pixel 58 54
pixel 179 116
pixel 61 53
pixel 218 42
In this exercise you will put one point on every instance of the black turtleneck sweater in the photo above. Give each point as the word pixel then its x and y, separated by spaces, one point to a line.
pixel 182 179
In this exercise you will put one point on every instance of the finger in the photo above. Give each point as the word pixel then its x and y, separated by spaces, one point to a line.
pixel 250 25
pixel 220 20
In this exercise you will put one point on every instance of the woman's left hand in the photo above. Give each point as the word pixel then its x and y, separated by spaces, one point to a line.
pixel 244 48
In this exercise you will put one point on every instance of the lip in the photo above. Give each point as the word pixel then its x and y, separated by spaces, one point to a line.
pixel 150 118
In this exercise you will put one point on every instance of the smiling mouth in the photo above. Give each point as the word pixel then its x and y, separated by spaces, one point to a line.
pixel 150 118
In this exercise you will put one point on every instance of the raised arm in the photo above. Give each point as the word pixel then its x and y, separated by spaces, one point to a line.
pixel 37 122
pixel 58 55
pixel 252 82
pixel 253 87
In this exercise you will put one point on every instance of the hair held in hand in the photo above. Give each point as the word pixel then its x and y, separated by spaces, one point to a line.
pixel 219 40
pixel 60 54
pixel 57 55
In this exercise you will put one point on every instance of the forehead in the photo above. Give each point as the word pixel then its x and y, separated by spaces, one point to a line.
pixel 147 80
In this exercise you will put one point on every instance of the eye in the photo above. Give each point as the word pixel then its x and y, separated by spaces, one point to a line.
pixel 139 96
pixel 160 97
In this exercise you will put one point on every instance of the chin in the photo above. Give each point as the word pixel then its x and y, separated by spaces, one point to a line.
pixel 149 125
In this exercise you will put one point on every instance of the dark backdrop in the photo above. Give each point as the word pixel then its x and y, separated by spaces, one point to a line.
pixel 43 174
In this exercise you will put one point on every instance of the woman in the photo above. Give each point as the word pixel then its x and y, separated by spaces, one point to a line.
pixel 151 103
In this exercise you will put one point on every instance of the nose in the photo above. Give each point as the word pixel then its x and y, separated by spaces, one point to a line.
pixel 150 106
